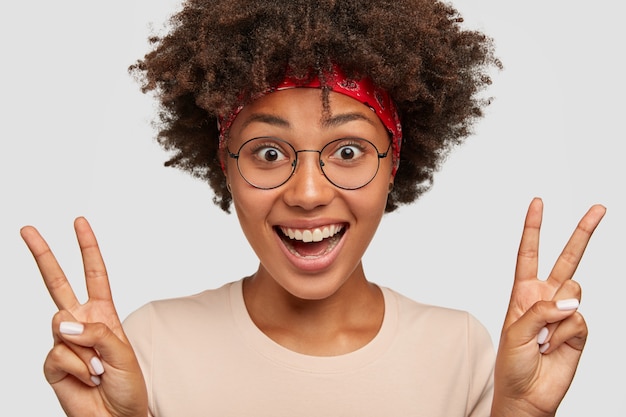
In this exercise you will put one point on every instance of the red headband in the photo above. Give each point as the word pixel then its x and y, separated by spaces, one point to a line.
pixel 362 90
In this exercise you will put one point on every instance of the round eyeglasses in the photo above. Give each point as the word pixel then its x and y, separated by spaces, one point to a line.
pixel 347 163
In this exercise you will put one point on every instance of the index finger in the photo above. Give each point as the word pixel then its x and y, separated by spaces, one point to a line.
pixel 568 260
pixel 96 275
pixel 59 288
pixel 528 252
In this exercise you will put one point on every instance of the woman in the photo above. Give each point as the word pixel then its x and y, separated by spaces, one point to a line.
pixel 313 121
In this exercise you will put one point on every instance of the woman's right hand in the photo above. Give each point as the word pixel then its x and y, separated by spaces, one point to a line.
pixel 92 366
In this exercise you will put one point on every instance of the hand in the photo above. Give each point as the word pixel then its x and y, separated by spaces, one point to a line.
pixel 543 333
pixel 91 367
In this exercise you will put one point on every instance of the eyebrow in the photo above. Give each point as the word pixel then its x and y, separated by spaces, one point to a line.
pixel 327 122
pixel 340 119
pixel 266 118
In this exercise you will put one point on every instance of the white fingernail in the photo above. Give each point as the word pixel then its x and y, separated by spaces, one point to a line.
pixel 544 347
pixel 97 366
pixel 542 336
pixel 569 304
pixel 95 379
pixel 70 327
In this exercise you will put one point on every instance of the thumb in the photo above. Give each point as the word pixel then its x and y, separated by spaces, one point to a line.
pixel 112 349
pixel 529 328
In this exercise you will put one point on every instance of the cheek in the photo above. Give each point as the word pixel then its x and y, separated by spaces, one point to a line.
pixel 369 204
pixel 251 214
pixel 251 205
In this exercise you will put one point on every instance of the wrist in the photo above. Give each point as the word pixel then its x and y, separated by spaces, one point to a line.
pixel 512 407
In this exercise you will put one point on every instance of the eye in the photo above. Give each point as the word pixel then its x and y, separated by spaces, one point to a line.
pixel 266 151
pixel 269 154
pixel 348 150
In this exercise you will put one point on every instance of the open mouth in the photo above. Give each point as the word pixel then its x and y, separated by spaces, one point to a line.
pixel 311 243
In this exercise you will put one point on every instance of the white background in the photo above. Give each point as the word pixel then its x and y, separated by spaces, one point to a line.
pixel 77 140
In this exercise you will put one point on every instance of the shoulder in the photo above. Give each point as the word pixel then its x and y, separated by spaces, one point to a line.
pixel 411 309
pixel 450 347
pixel 172 313
pixel 443 324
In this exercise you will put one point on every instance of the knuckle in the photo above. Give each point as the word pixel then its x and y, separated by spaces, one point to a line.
pixel 578 320
pixel 538 308
pixel 586 227
pixel 570 257
pixel 57 318
pixel 99 330
pixel 55 356
pixel 571 287
pixel 527 253
pixel 57 359
pixel 60 316
pixel 95 273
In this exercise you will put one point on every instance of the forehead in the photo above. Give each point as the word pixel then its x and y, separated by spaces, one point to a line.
pixel 304 106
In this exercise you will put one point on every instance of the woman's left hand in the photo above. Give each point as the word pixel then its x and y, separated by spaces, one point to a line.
pixel 543 334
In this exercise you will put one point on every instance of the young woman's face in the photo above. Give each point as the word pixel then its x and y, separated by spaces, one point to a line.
pixel 340 222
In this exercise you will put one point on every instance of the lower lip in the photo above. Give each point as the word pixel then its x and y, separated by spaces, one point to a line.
pixel 312 264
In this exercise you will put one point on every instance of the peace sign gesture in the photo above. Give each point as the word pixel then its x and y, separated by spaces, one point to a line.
pixel 91 367
pixel 543 333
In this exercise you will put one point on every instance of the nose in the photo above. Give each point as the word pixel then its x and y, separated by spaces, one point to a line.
pixel 308 187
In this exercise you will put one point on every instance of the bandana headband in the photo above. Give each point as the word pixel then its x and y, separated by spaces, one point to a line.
pixel 362 90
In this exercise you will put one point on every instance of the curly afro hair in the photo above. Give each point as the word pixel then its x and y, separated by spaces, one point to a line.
pixel 217 52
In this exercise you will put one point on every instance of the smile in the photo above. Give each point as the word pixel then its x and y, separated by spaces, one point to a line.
pixel 313 243
pixel 312 235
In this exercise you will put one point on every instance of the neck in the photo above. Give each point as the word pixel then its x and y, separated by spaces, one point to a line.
pixel 342 322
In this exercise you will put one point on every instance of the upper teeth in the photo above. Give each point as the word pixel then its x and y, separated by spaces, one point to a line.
pixel 312 235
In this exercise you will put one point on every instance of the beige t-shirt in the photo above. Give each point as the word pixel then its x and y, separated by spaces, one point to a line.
pixel 203 356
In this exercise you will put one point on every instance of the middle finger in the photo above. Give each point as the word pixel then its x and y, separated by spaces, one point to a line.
pixel 568 260
pixel 58 286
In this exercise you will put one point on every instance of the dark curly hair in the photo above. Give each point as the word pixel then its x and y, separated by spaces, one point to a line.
pixel 217 52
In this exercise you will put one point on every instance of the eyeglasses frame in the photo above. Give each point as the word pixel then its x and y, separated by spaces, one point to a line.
pixel 294 164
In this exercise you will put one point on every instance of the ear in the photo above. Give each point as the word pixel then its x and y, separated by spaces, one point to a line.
pixel 226 178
